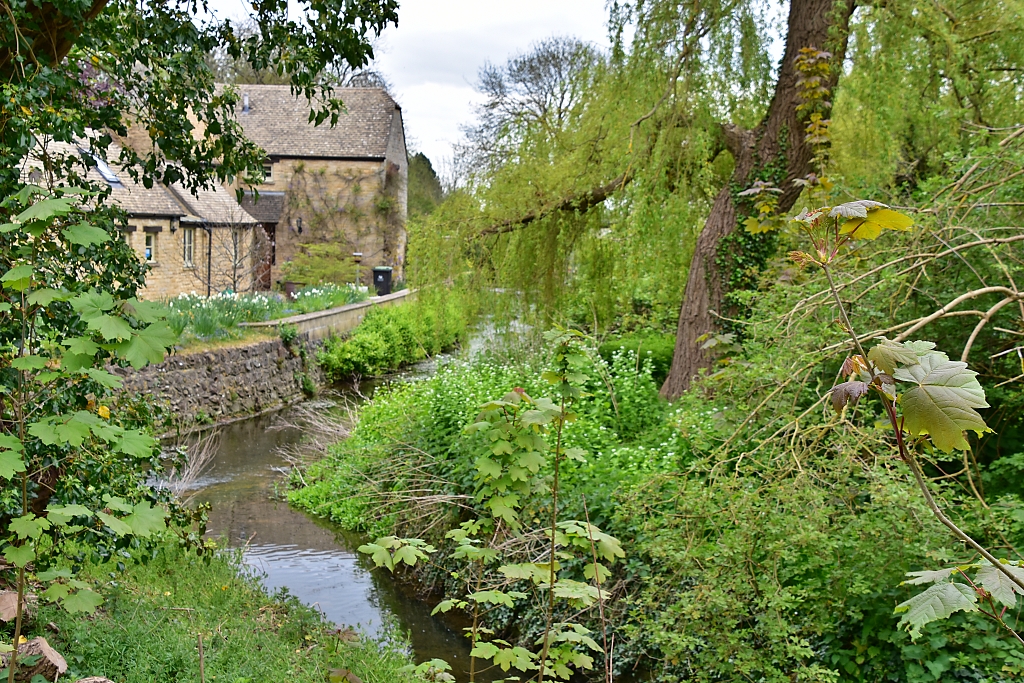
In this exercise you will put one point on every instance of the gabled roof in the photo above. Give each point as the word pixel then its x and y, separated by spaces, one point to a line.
pixel 278 122
pixel 216 206
pixel 133 197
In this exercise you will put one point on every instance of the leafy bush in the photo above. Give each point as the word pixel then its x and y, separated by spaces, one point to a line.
pixel 392 336
pixel 654 346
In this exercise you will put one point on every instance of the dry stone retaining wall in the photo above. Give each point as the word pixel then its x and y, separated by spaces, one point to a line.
pixel 226 383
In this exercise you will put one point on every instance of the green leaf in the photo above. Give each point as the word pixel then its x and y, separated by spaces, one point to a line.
pixel 148 345
pixel 929 576
pixel 11 442
pixel 92 304
pixel 938 602
pixel 871 227
pixel 105 378
pixel 145 311
pixel 888 355
pixel 407 554
pixel 999 584
pixel 19 556
pixel 519 657
pixel 82 345
pixel 62 514
pixel 484 651
pixel 116 503
pixel 57 592
pixel 84 601
pixel 18 278
pixel 146 520
pixel 29 363
pixel 111 327
pixel 47 209
pixel 504 507
pixel 380 555
pixel 496 597
pixel 46 296
pixel 502 447
pixel 72 431
pixel 136 443
pixel 602 572
pixel 576 591
pixel 85 234
pixel 532 460
pixel 73 362
pixel 488 467
pixel 11 463
pixel 943 401
pixel 114 524
pixel 51 574
pixel 445 606
pixel 536 417
pixel 29 526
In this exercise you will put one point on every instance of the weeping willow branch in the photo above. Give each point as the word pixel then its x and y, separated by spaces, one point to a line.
pixel 579 202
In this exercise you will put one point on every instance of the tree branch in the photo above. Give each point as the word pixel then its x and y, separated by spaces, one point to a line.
pixel 579 202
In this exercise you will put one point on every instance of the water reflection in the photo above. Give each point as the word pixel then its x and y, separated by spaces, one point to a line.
pixel 315 561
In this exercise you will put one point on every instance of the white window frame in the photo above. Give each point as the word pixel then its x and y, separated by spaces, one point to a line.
pixel 188 247
pixel 268 172
pixel 149 247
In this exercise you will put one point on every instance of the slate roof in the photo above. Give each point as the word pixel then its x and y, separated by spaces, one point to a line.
pixel 213 207
pixel 267 209
pixel 278 122
pixel 216 206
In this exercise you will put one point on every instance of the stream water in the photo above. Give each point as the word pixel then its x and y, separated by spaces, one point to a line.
pixel 313 560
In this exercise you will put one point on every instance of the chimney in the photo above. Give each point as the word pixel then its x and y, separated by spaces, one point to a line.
pixel 245 103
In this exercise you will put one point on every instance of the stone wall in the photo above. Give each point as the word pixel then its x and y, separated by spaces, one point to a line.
pixel 226 383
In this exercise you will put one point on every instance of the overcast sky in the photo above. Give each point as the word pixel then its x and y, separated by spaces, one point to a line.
pixel 433 56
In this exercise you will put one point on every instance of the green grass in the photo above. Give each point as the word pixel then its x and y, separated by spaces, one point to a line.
pixel 147 629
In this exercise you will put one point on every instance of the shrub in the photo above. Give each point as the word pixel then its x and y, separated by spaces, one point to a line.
pixel 391 337
pixel 656 347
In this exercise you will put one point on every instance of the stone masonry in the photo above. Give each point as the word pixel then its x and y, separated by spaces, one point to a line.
pixel 226 383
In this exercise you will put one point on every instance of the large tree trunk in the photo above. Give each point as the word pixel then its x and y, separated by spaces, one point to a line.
pixel 820 24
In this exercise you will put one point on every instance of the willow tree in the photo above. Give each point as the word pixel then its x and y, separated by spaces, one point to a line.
pixel 777 152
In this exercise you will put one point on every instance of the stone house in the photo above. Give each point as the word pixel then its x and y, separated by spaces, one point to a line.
pixel 328 192
pixel 205 244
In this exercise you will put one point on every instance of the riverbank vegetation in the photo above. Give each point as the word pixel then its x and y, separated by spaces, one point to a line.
pixel 158 606
pixel 392 336
pixel 845 385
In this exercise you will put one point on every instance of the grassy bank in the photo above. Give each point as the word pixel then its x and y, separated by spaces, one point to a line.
pixel 148 627
pixel 746 558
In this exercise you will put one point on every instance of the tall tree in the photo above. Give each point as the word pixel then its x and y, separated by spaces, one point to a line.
pixel 777 151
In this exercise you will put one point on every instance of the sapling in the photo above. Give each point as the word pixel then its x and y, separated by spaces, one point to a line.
pixel 929 400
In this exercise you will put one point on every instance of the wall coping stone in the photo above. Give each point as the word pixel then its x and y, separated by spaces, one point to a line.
pixel 316 315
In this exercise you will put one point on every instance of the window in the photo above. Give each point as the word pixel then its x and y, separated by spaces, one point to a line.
pixel 188 242
pixel 268 173
pixel 150 246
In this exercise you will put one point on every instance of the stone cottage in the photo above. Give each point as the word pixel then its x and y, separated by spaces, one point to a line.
pixel 328 192
pixel 205 244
